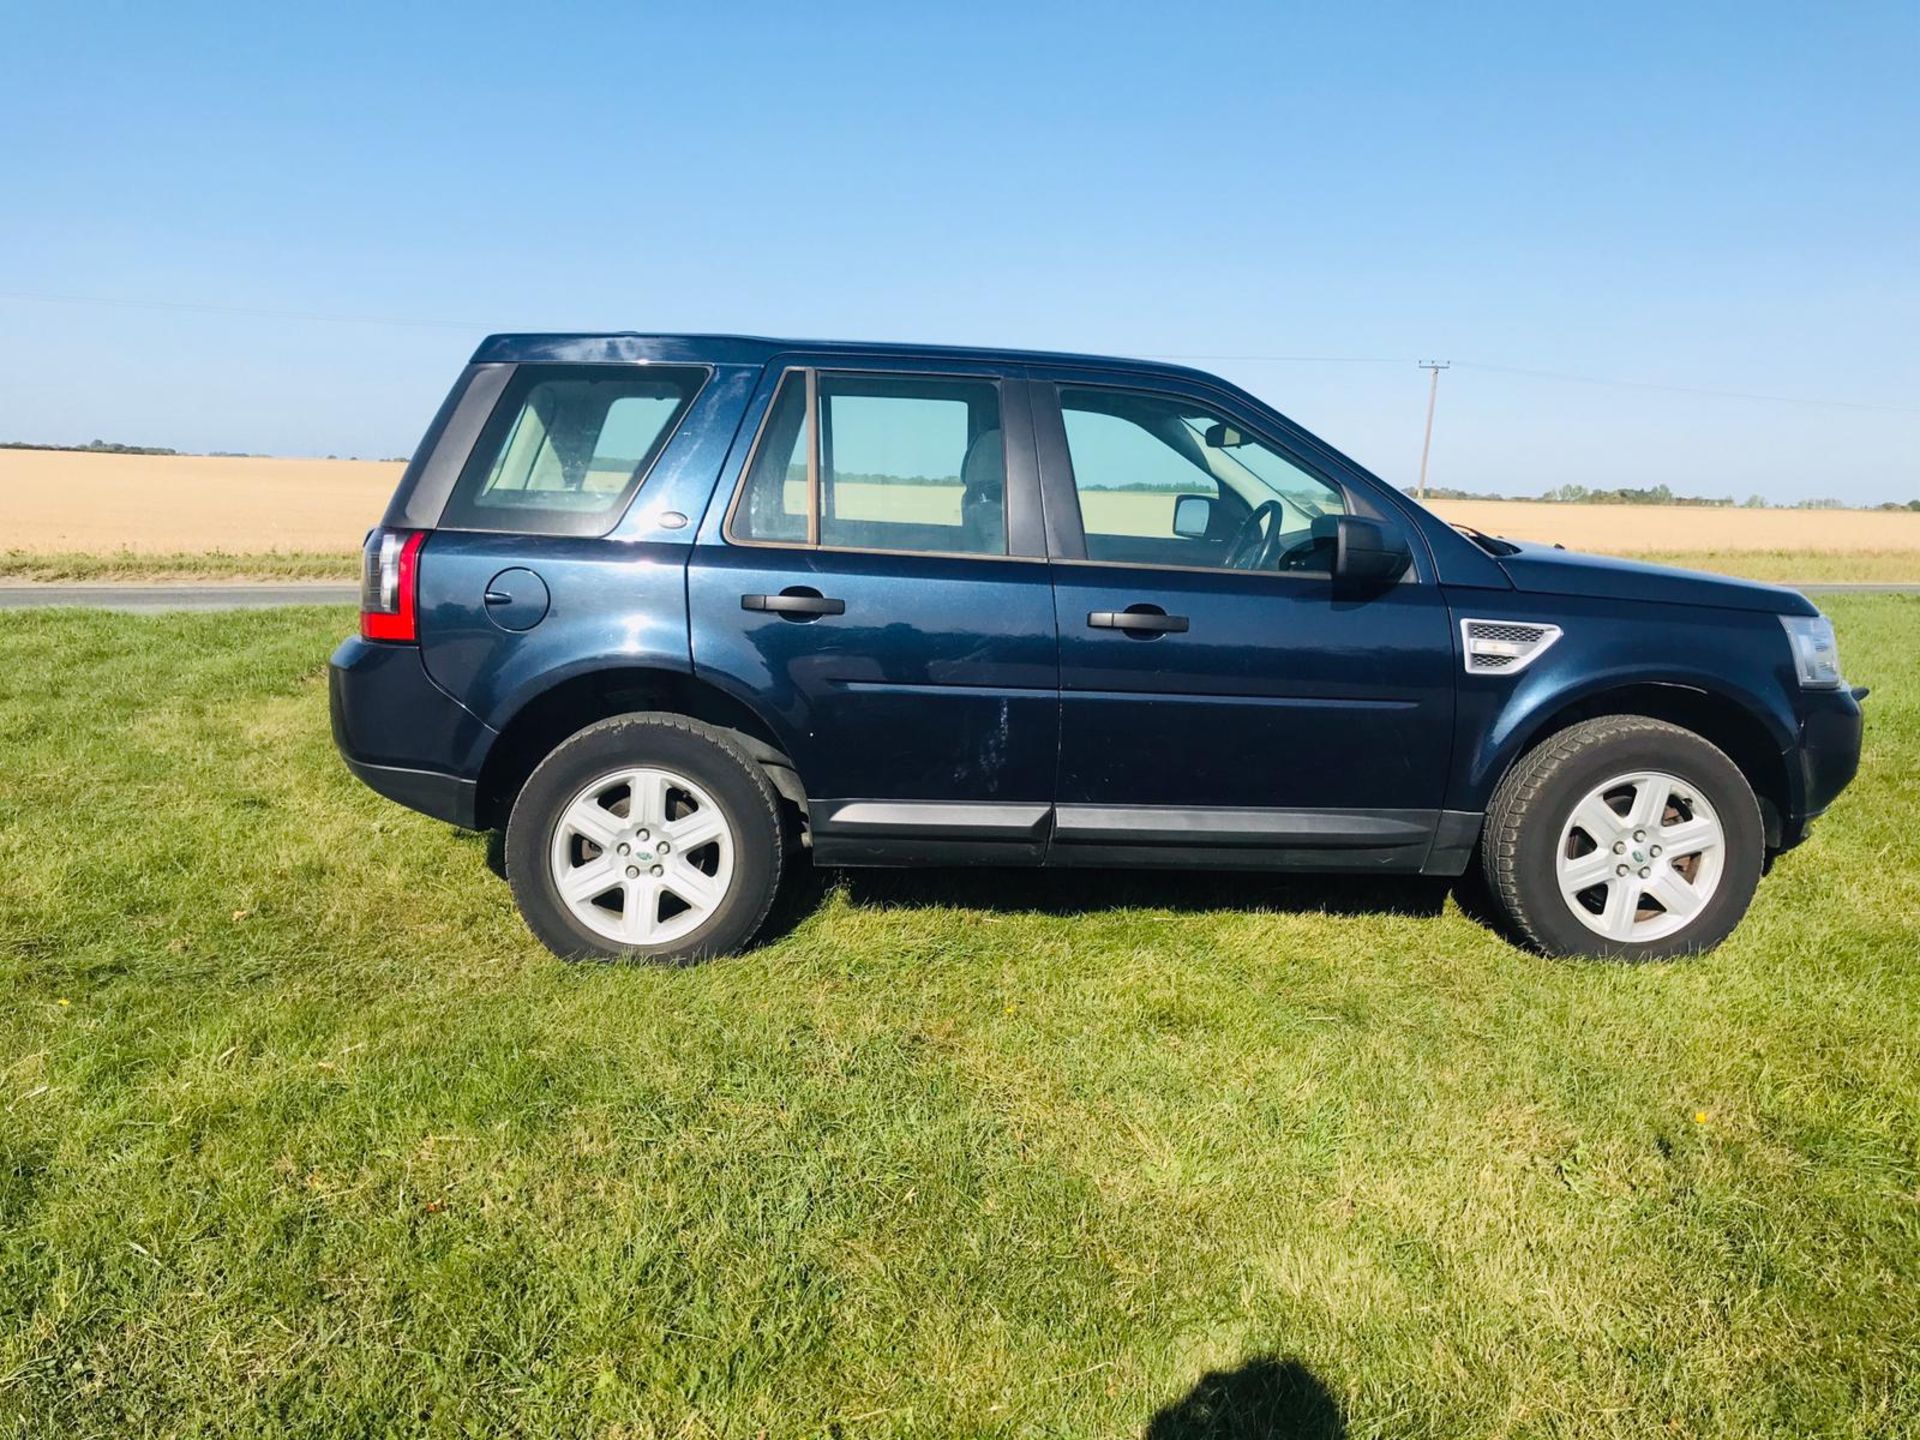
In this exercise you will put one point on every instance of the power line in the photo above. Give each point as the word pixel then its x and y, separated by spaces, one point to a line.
pixel 486 327
pixel 1687 389
pixel 244 311
pixel 1561 375
pixel 1290 359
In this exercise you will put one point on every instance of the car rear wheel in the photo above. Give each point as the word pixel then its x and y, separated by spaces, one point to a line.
pixel 645 837
pixel 1624 836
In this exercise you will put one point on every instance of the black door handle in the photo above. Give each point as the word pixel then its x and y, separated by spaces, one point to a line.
pixel 1138 622
pixel 794 604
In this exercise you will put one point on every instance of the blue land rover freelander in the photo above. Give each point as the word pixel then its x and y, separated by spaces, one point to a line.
pixel 674 611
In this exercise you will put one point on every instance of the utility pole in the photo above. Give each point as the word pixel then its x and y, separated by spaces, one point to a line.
pixel 1434 367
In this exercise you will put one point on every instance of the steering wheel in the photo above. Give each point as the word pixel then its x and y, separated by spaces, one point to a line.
pixel 1256 544
pixel 1313 554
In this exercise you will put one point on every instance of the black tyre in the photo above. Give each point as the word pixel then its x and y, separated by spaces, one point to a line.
pixel 1623 836
pixel 645 837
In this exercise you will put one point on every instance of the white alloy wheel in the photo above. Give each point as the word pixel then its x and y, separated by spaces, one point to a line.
pixel 1640 856
pixel 642 856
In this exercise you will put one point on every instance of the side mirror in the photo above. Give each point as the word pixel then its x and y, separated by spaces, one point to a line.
pixel 1366 552
pixel 1192 516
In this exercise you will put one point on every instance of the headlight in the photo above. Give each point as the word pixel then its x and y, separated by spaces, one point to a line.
pixel 1815 656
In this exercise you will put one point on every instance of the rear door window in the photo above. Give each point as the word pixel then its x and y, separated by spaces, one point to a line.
pixel 895 462
pixel 568 445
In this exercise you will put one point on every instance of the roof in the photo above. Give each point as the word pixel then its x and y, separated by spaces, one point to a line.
pixel 626 346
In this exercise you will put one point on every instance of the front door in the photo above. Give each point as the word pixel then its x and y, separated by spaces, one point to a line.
pixel 1221 697
pixel 876 588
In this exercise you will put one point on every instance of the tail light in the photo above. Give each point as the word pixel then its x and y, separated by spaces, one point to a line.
pixel 389 584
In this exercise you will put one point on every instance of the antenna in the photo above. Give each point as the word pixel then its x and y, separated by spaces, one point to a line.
pixel 1434 367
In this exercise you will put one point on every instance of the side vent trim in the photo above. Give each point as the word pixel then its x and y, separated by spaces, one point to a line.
pixel 1504 647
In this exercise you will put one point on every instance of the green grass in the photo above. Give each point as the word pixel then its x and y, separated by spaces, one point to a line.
pixel 131 565
pixel 1805 567
pixel 300 1133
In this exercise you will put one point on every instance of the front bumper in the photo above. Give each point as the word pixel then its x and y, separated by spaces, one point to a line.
pixel 1828 754
pixel 401 734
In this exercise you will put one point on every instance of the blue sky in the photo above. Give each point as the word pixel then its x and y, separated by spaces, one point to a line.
pixel 1722 197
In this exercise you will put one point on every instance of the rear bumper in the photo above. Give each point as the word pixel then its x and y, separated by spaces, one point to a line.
pixel 401 734
pixel 1828 754
pixel 444 797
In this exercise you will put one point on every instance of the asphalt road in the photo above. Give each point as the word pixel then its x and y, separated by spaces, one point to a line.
pixel 232 596
pixel 229 596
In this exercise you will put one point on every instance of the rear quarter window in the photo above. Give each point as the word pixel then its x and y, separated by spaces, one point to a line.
pixel 568 445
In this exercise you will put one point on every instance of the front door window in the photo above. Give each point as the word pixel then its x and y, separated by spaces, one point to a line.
pixel 1162 480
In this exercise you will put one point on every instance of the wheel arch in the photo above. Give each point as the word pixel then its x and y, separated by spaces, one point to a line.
pixel 1740 727
pixel 569 705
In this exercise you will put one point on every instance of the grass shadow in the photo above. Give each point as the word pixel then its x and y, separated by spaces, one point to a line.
pixel 1068 892
pixel 1476 901
pixel 1267 1398
pixel 1079 892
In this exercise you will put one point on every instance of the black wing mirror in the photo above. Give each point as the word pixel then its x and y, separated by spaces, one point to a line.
pixel 1366 552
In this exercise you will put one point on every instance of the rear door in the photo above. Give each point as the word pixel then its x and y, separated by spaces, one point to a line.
pixel 1221 697
pixel 873 580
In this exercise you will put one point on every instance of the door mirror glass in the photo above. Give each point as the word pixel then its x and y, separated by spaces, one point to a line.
pixel 1366 552
pixel 1192 516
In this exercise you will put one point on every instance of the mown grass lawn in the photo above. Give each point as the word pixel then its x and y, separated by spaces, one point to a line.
pixel 1799 567
pixel 301 1134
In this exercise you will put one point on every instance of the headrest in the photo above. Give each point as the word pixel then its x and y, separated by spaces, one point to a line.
pixel 984 471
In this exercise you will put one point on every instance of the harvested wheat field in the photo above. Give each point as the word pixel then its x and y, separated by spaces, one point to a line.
pixel 66 515
pixel 54 500
pixel 1632 529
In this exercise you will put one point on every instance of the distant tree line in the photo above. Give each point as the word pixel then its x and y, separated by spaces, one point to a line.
pixel 1657 495
pixel 100 447
pixel 110 447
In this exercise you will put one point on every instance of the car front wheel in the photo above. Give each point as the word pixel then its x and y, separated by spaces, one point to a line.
pixel 647 837
pixel 1624 836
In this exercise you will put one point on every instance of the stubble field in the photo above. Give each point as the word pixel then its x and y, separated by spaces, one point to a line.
pixel 65 515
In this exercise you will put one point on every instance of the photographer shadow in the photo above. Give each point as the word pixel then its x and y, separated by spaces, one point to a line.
pixel 1267 1398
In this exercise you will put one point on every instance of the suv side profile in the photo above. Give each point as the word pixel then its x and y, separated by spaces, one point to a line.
pixel 674 610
